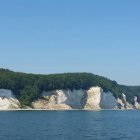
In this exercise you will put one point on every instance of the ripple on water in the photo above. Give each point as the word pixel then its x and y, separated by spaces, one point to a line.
pixel 73 125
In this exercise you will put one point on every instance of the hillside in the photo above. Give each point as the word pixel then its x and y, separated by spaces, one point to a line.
pixel 28 87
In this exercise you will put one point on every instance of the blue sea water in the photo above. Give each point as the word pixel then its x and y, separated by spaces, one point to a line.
pixel 70 125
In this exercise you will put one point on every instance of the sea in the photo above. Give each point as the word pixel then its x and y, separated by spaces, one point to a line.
pixel 70 125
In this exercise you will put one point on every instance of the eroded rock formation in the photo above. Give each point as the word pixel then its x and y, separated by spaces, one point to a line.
pixel 136 104
pixel 93 99
pixel 7 100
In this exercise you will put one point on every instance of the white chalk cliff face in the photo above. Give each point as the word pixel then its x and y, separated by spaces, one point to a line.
pixel 92 99
pixel 61 99
pixel 108 101
pixel 97 99
pixel 136 104
pixel 74 98
pixel 54 100
pixel 7 100
pixel 123 104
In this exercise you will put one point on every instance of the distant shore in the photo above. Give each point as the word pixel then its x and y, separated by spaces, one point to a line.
pixel 66 110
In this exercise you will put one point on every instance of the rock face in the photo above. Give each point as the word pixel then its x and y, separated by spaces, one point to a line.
pixel 123 104
pixel 136 104
pixel 97 99
pixel 52 102
pixel 43 104
pixel 7 100
pixel 71 99
pixel 75 98
pixel 108 101
pixel 93 98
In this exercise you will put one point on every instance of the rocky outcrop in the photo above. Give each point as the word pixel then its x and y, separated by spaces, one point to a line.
pixel 40 104
pixel 97 99
pixel 136 104
pixel 123 104
pixel 74 98
pixel 93 98
pixel 7 100
pixel 52 102
pixel 44 104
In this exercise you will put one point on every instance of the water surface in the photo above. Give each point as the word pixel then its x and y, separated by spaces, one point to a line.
pixel 70 125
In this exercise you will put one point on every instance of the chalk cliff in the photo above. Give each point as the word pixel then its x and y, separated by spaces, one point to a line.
pixel 56 101
pixel 7 100
pixel 93 99
pixel 136 104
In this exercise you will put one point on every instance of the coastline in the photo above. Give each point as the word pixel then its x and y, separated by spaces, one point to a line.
pixel 6 110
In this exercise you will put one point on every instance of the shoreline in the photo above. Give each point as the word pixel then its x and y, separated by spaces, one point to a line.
pixel 4 110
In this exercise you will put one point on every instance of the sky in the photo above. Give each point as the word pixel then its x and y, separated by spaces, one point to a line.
pixel 57 36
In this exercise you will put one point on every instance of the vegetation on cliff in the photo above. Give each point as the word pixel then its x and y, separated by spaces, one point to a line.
pixel 28 87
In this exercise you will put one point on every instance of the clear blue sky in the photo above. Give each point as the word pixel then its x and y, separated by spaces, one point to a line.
pixel 56 36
